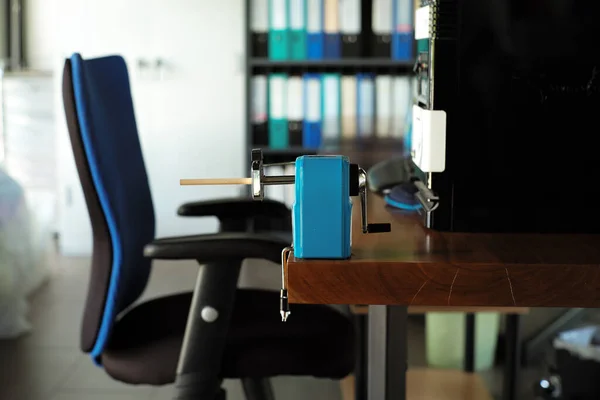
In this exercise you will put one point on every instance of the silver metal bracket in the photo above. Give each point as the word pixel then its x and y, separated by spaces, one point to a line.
pixel 284 306
pixel 259 179
pixel 429 202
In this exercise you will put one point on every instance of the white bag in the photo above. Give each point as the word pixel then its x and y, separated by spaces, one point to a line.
pixel 18 258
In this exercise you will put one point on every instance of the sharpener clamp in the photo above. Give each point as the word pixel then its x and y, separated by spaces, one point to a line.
pixel 259 179
pixel 429 202
pixel 284 305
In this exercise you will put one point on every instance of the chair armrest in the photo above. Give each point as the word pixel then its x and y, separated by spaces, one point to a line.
pixel 235 208
pixel 218 247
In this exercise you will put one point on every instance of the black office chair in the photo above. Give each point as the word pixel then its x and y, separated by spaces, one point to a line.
pixel 229 332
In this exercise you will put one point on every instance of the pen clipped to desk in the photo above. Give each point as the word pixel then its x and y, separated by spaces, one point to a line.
pixel 322 212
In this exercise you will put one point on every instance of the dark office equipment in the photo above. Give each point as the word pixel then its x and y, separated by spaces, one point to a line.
pixel 229 333
pixel 519 83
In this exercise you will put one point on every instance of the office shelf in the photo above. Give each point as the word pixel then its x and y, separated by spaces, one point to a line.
pixel 272 156
pixel 359 143
pixel 365 151
pixel 337 63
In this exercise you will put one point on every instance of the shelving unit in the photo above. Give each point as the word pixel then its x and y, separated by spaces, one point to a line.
pixel 402 66
pixel 368 149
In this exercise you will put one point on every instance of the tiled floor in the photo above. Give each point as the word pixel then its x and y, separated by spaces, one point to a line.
pixel 48 365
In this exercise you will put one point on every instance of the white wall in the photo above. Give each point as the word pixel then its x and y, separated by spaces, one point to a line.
pixel 39 38
pixel 190 117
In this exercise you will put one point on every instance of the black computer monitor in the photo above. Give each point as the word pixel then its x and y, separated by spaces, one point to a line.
pixel 519 81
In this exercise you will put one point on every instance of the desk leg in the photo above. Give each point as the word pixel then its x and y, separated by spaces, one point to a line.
pixel 360 373
pixel 387 353
pixel 470 343
pixel 512 361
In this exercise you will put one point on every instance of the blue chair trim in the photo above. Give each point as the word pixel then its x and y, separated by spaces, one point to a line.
pixel 84 126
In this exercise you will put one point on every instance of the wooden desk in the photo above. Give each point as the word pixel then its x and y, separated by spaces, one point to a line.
pixel 412 265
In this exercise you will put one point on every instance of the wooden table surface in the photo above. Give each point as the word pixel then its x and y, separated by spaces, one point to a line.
pixel 412 265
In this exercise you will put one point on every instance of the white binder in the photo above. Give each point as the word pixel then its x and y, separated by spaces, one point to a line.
pixel 277 97
pixel 350 17
pixel 382 18
pixel 349 91
pixel 295 103
pixel 366 107
pixel 259 19
pixel 383 106
pixel 314 16
pixel 259 99
pixel 402 102
pixel 331 107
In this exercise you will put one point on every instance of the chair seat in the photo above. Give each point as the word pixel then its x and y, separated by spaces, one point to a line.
pixel 315 341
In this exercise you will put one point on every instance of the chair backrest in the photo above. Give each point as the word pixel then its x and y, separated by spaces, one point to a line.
pixel 104 137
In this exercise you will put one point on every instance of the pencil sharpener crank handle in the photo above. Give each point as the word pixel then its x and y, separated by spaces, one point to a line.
pixel 259 179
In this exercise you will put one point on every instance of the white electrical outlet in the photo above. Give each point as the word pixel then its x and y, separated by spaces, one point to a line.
pixel 428 139
pixel 422 21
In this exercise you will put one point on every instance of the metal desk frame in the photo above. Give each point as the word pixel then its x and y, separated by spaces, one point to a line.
pixel 382 353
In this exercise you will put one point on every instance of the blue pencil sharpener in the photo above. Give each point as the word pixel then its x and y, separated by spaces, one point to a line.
pixel 322 212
